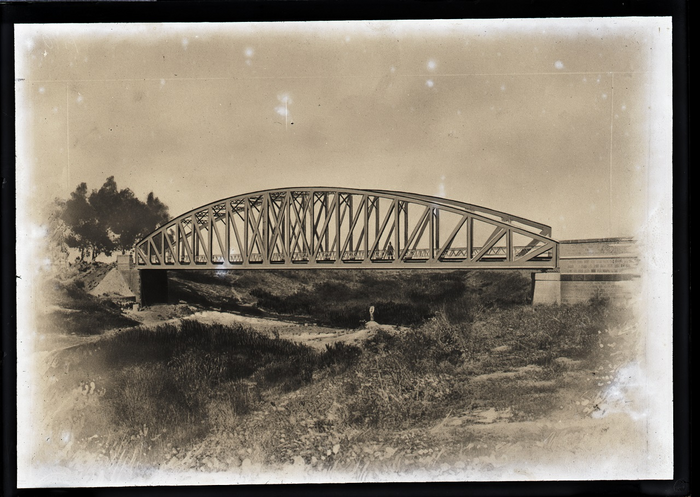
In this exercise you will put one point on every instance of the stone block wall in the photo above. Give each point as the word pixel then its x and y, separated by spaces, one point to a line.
pixel 603 255
pixel 575 290
pixel 603 267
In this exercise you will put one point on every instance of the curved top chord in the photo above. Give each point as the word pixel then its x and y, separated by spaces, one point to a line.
pixel 314 227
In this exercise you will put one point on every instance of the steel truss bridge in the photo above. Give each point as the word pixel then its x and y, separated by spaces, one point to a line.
pixel 346 228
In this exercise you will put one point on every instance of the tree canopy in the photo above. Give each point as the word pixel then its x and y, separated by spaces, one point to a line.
pixel 109 219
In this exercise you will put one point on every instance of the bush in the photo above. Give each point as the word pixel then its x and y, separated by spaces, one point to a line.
pixel 339 354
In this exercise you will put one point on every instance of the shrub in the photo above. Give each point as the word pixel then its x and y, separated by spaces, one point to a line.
pixel 339 354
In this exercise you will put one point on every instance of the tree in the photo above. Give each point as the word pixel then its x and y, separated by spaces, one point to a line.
pixel 88 233
pixel 57 247
pixel 157 212
pixel 110 219
pixel 134 222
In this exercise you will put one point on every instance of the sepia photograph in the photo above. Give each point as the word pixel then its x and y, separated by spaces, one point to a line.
pixel 344 251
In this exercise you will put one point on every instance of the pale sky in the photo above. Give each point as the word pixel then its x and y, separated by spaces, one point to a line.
pixel 552 120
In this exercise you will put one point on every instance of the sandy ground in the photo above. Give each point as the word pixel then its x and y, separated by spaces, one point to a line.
pixel 307 333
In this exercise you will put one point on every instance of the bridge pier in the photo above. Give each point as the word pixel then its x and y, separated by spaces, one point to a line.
pixel 547 289
pixel 128 271
pixel 150 286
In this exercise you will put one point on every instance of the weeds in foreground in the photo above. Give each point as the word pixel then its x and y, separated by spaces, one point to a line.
pixel 184 383
pixel 192 378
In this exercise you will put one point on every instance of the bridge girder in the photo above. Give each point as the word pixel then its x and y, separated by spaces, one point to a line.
pixel 324 227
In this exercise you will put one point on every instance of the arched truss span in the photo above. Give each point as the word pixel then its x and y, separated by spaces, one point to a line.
pixel 346 228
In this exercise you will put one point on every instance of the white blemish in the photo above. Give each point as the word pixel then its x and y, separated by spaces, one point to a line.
pixel 347 39
pixel 249 52
pixel 559 64
pixel 79 99
pixel 441 188
pixel 42 90
pixel 39 231
pixel 283 109
pixel 503 87
pixel 431 65
pixel 393 69
pixel 185 42
pixel 626 394
pixel 65 437
pixel 162 83
pixel 623 107
pixel 429 83
pixel 604 96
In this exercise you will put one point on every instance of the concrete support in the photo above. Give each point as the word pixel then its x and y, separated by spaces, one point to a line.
pixel 547 289
pixel 154 286
pixel 150 286
pixel 128 270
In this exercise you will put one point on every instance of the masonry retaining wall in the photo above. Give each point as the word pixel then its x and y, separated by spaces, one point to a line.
pixel 603 267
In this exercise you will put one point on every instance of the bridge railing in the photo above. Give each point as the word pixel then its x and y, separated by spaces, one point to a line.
pixel 461 253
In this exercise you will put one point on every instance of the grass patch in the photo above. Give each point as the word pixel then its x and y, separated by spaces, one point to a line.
pixel 82 313
pixel 426 372
pixel 191 379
